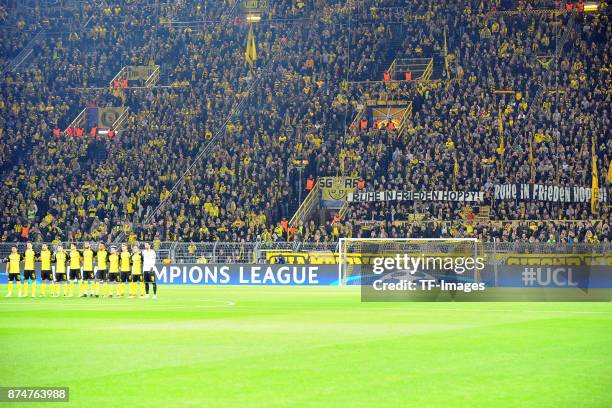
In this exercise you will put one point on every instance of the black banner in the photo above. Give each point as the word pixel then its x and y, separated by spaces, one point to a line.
pixel 463 196
pixel 545 192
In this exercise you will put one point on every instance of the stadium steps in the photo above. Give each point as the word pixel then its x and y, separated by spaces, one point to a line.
pixel 311 202
pixel 73 111
pixel 24 54
pixel 96 151
pixel 394 46
pixel 438 68
pixel 539 87
pixel 293 205
pixel 569 29
pixel 20 154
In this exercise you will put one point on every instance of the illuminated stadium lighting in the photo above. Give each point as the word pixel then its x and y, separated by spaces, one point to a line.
pixel 253 18
pixel 593 6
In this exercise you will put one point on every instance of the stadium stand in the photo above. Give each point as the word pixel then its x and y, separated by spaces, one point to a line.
pixel 542 72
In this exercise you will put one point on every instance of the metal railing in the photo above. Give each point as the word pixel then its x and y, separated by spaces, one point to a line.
pixel 118 123
pixel 310 202
pixel 24 54
pixel 78 121
pixel 421 68
pixel 404 120
pixel 343 210
pixel 358 116
pixel 265 252
pixel 421 220
pixel 153 78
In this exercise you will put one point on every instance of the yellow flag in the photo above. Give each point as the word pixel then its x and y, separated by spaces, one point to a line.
pixel 456 167
pixel 446 55
pixel 609 178
pixel 502 145
pixel 253 46
pixel 531 161
pixel 251 49
pixel 594 183
pixel 247 53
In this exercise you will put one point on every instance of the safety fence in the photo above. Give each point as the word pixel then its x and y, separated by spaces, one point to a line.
pixel 327 252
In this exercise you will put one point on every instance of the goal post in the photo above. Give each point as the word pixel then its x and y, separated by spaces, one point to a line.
pixel 357 255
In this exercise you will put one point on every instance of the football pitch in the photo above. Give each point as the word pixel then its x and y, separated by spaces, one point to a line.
pixel 241 346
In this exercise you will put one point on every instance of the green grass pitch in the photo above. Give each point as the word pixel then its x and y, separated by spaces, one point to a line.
pixel 306 347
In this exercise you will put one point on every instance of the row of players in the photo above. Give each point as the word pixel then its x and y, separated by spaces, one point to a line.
pixel 114 271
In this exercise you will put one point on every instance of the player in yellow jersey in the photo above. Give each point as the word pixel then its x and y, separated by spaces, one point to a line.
pixel 29 271
pixel 60 258
pixel 102 270
pixel 13 271
pixel 74 275
pixel 137 285
pixel 46 275
pixel 125 259
pixel 88 270
pixel 113 271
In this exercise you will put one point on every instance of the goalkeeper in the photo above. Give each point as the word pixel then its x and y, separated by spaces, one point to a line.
pixel 148 264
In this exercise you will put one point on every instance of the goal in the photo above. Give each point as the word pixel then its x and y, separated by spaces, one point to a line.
pixel 431 256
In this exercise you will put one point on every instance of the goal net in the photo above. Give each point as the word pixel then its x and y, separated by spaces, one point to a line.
pixel 360 259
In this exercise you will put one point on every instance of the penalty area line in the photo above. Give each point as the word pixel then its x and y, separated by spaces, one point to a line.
pixel 151 303
pixel 523 311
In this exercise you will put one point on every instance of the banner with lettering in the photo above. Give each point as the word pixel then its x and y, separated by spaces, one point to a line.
pixel 546 192
pixel 460 196
pixel 337 188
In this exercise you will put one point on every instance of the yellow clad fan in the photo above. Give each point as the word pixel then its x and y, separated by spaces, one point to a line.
pixel 13 260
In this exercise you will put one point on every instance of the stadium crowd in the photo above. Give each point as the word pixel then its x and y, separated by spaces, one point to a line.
pixel 318 62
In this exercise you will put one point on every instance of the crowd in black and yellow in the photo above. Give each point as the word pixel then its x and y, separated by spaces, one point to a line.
pixel 454 138
pixel 243 188
pixel 247 185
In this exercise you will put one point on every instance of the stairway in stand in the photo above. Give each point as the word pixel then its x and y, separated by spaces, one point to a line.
pixel 438 65
pixel 394 46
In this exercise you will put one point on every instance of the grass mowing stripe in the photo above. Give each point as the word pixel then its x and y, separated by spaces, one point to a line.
pixel 310 347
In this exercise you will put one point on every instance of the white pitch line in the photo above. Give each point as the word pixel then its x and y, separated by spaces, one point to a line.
pixel 487 310
pixel 520 310
pixel 224 303
pixel 60 304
